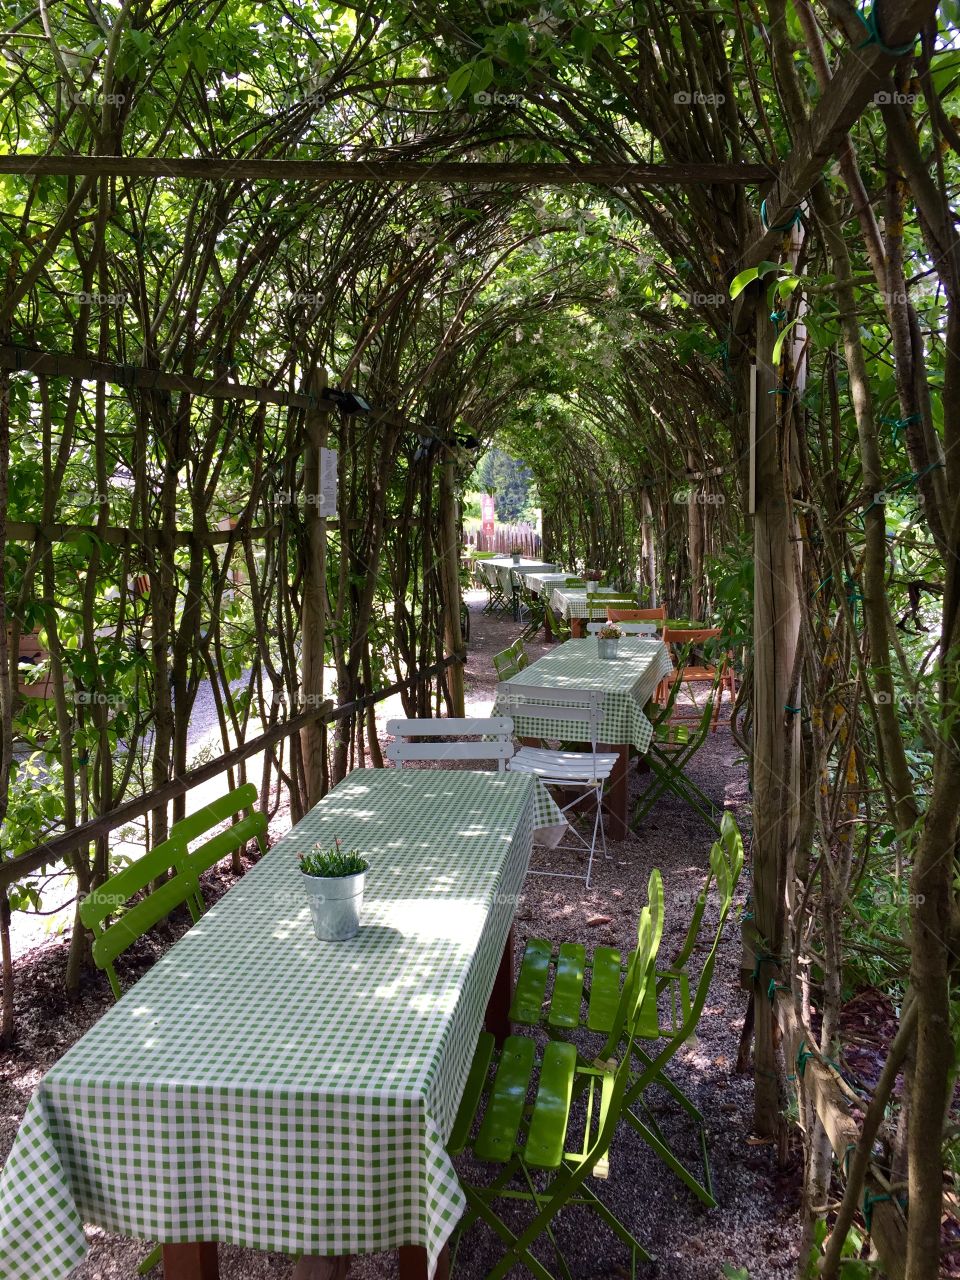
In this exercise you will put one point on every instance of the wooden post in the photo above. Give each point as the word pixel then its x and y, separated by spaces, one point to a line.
pixel 649 547
pixel 776 754
pixel 695 540
pixel 313 634
pixel 449 564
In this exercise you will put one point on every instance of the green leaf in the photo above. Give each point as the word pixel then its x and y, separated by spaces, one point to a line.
pixel 778 345
pixel 740 282
pixel 460 80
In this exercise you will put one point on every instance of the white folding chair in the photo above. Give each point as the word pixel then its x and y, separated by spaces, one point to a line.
pixel 581 771
pixel 490 739
pixel 625 628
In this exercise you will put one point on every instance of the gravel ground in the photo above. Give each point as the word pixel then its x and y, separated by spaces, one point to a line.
pixel 755 1225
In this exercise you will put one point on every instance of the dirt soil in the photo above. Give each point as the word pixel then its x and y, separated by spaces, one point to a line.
pixel 755 1225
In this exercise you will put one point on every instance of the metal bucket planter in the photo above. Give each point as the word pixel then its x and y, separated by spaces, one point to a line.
pixel 335 904
pixel 515 557
pixel 607 648
pixel 591 587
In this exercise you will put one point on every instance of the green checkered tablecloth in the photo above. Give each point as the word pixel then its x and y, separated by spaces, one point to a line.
pixel 490 567
pixel 265 1089
pixel 628 682
pixel 543 583
pixel 573 603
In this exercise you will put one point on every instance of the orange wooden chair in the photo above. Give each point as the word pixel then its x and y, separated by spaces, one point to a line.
pixel 638 615
pixel 721 674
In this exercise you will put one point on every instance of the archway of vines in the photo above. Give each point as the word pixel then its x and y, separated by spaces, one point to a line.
pixel 766 438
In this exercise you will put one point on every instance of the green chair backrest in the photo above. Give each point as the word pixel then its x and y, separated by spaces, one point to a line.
pixel 113 937
pixel 484 555
pixel 520 656
pixel 640 977
pixel 575 582
pixel 505 664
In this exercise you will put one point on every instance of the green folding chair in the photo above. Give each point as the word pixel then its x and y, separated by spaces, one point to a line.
pixel 505 664
pixel 575 582
pixel 726 862
pixel 524 1140
pixel 520 655
pixel 585 990
pixel 535 609
pixel 673 747
pixel 112 936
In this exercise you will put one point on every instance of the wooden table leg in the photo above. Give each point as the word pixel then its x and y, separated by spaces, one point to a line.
pixel 547 628
pixel 413 1263
pixel 497 1017
pixel 190 1262
pixel 615 796
pixel 578 628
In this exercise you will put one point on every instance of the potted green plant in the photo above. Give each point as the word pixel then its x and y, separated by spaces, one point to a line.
pixel 334 881
pixel 515 553
pixel 608 638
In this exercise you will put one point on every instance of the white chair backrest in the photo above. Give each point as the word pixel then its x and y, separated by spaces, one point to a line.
pixel 492 739
pixel 627 628
pixel 536 703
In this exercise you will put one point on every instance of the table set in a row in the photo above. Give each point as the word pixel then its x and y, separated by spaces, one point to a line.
pixel 262 1088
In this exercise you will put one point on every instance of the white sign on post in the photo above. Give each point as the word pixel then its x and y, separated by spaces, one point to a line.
pixel 327 505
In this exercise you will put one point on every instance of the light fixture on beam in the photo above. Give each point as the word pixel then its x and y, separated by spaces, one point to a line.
pixel 346 401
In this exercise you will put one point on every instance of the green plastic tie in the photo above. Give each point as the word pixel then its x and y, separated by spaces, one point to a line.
pixel 803 1055
pixel 794 711
pixel 778 317
pixel 786 226
pixel 901 424
pixel 869 21
pixel 868 1202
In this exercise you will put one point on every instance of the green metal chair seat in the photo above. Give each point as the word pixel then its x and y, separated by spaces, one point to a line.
pixel 506 1125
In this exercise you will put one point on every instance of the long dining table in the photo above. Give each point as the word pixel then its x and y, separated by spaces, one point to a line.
pixel 262 1088
pixel 628 683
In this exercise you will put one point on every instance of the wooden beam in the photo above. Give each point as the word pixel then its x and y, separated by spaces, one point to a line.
pixel 888 1225
pixel 57 847
pixel 114 536
pixel 56 365
pixel 863 72
pixel 243 168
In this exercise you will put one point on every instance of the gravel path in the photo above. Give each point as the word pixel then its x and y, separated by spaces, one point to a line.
pixel 756 1224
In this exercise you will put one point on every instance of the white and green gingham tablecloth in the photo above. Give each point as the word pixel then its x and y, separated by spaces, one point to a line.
pixel 574 601
pixel 489 567
pixel 628 682
pixel 542 583
pixel 265 1089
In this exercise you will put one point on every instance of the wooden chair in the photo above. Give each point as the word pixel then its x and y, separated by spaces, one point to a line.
pixel 617 614
pixel 489 739
pixel 690 674
pixel 625 628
